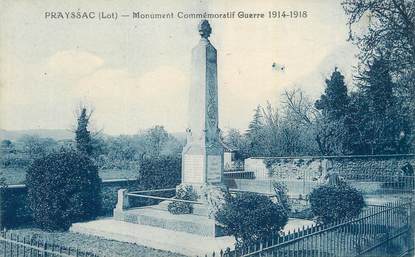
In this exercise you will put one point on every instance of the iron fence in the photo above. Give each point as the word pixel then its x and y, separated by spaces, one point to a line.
pixel 383 230
pixel 239 175
pixel 15 245
pixel 234 166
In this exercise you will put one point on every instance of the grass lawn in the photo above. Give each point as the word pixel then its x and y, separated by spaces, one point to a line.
pixel 97 245
pixel 18 176
pixel 13 176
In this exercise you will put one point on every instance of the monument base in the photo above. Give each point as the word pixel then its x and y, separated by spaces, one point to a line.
pixel 205 201
pixel 157 216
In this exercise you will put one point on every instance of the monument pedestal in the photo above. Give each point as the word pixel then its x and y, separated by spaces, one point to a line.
pixel 158 216
pixel 201 221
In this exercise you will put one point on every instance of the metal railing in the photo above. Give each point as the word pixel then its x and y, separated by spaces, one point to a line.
pixel 239 175
pixel 234 166
pixel 376 230
pixel 16 245
pixel 145 198
pixel 124 197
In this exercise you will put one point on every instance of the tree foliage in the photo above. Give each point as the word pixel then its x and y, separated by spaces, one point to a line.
pixel 160 172
pixel 255 134
pixel 278 132
pixel 331 126
pixel 239 142
pixel 382 125
pixel 390 31
pixel 82 134
pixel 63 187
pixel 386 60
pixel 334 101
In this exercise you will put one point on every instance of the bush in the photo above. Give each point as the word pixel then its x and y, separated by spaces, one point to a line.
pixel 331 203
pixel 184 192
pixel 63 187
pixel 251 216
pixel 160 172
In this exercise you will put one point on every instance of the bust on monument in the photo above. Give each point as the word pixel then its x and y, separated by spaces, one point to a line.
pixel 204 29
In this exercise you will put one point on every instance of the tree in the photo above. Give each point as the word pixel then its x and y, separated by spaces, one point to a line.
pixel 391 30
pixel 272 129
pixel 390 33
pixel 35 146
pixel 82 135
pixel 155 140
pixel 299 106
pixel 382 126
pixel 237 141
pixel 63 187
pixel 160 172
pixel 172 147
pixel 7 146
pixel 256 135
pixel 298 125
pixel 256 124
pixel 333 104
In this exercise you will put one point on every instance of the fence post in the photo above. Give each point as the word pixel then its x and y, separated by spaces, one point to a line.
pixel 261 246
pixel 11 245
pixel 45 246
pixel 2 206
pixel 122 200
pixel 3 234
pixel 17 245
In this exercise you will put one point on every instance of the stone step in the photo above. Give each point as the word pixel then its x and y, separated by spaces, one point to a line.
pixel 156 217
pixel 168 240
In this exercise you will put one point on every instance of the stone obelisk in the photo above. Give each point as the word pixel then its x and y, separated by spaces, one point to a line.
pixel 202 161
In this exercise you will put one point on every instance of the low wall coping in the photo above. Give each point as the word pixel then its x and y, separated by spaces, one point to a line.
pixel 106 181
pixel 336 156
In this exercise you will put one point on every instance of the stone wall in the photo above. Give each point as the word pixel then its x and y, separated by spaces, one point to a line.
pixel 311 167
pixel 14 209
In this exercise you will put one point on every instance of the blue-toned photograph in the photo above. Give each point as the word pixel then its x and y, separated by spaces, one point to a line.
pixel 209 128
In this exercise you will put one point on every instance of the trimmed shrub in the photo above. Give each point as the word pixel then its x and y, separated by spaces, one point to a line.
pixel 184 192
pixel 331 203
pixel 251 216
pixel 160 172
pixel 63 188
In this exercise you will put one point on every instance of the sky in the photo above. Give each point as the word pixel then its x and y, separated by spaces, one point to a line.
pixel 135 73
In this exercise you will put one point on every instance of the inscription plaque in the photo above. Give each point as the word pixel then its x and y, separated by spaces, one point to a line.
pixel 214 164
pixel 193 168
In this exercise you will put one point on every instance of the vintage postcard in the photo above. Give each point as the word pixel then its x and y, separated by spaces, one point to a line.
pixel 207 128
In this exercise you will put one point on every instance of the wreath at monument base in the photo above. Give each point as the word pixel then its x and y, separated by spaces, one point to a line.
pixel 183 192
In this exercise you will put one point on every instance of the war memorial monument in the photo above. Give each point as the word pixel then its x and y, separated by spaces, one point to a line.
pixel 202 171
